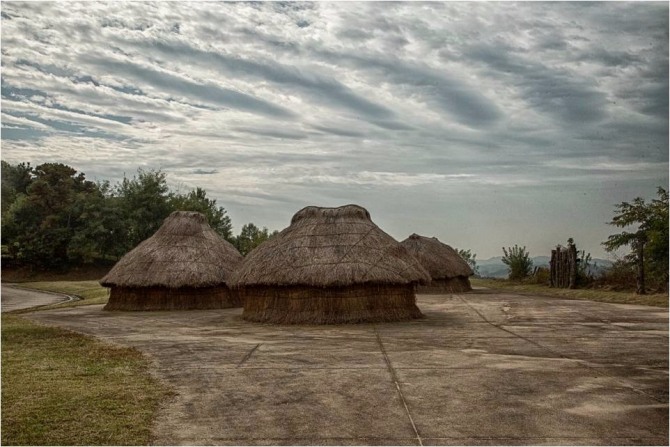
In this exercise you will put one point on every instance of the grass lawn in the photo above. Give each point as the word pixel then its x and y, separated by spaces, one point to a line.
pixel 63 388
pixel 607 296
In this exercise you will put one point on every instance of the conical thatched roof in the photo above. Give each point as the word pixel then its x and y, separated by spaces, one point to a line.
pixel 184 252
pixel 325 247
pixel 439 259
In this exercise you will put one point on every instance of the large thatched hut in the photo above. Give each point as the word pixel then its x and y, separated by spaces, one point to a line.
pixel 449 272
pixel 184 265
pixel 331 265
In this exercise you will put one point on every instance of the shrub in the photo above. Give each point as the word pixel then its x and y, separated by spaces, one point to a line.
pixel 540 275
pixel 518 261
pixel 620 276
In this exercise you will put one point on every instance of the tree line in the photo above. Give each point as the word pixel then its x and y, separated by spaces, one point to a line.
pixel 54 218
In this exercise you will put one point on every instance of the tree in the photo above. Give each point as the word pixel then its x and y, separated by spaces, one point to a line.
pixel 15 181
pixel 470 258
pixel 104 233
pixel 649 242
pixel 145 202
pixel 518 261
pixel 251 237
pixel 197 200
pixel 39 225
pixel 53 217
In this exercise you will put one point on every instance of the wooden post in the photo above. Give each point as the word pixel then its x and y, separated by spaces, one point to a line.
pixel 572 269
pixel 552 269
pixel 559 272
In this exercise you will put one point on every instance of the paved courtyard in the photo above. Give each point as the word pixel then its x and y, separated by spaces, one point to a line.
pixel 482 368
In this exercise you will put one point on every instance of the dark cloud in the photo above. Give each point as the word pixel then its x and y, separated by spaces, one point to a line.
pixel 392 125
pixel 461 101
pixel 547 89
pixel 355 34
pixel 61 126
pixel 205 92
pixel 205 171
pixel 272 133
pixel 324 89
pixel 609 58
pixel 339 132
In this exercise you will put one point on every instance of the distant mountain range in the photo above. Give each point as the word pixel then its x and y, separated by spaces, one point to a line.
pixel 494 267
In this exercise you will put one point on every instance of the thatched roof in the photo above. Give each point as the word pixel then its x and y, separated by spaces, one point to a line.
pixel 438 258
pixel 184 252
pixel 327 247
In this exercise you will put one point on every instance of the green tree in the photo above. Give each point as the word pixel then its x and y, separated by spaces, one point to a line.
pixel 251 237
pixel 53 217
pixel 104 233
pixel 197 200
pixel 145 203
pixel 470 258
pixel 648 241
pixel 40 224
pixel 518 261
pixel 15 181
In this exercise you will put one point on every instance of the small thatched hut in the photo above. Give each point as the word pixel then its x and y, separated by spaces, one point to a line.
pixel 449 272
pixel 184 265
pixel 331 265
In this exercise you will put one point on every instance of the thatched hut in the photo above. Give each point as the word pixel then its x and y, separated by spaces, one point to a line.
pixel 184 265
pixel 449 272
pixel 331 265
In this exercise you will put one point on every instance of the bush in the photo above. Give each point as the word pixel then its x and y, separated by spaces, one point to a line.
pixel 540 275
pixel 620 276
pixel 518 261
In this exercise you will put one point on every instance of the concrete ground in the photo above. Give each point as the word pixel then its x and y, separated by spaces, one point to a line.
pixel 482 368
pixel 14 298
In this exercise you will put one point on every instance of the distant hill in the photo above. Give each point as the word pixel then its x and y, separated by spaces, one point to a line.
pixel 494 267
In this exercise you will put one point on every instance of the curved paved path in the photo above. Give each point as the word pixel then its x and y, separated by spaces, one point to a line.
pixel 482 368
pixel 14 298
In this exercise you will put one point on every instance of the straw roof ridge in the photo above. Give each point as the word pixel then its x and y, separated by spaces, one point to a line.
pixel 326 247
pixel 440 259
pixel 321 212
pixel 184 252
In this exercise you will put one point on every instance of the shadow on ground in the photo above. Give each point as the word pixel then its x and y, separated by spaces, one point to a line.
pixel 482 368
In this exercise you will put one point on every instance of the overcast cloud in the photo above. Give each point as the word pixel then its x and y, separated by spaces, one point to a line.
pixel 483 124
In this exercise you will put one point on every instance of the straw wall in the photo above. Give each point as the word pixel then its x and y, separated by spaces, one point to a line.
pixel 163 298
pixel 318 305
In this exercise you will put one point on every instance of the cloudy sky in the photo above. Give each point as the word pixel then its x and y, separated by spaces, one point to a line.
pixel 483 124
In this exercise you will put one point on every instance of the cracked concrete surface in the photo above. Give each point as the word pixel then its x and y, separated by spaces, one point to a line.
pixel 482 368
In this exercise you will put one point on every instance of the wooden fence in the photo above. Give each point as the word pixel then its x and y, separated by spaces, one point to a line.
pixel 563 267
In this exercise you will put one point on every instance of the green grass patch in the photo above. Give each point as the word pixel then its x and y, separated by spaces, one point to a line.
pixel 606 296
pixel 90 292
pixel 63 388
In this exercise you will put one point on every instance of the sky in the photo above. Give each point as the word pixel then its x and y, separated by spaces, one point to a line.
pixel 482 124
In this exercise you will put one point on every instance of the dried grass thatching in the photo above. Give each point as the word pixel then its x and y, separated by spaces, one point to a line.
pixel 449 272
pixel 184 265
pixel 164 298
pixel 331 265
